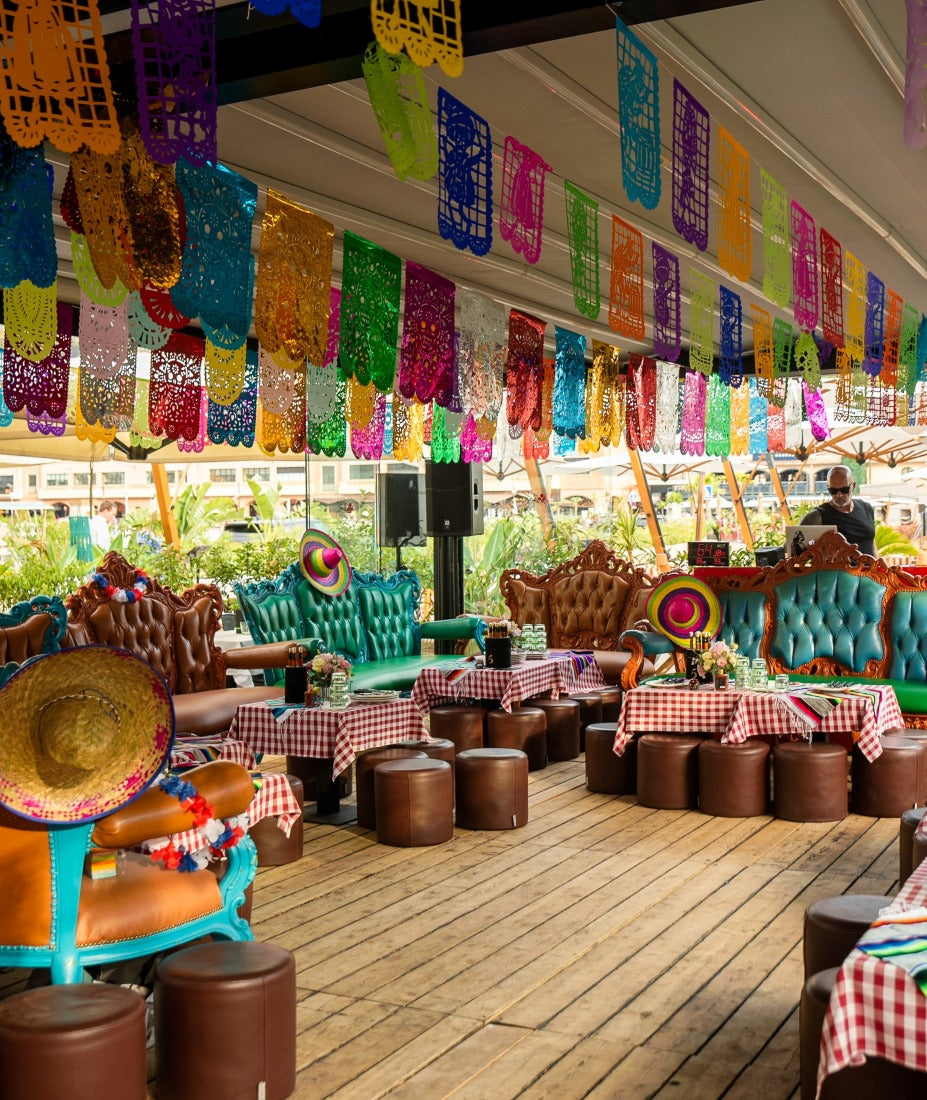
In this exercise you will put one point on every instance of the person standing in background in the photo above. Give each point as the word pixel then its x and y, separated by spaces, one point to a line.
pixel 103 524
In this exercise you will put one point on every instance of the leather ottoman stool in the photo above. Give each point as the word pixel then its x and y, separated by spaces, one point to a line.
pixel 364 766
pixel 274 847
pixel 306 769
pixel 833 925
pixel 918 851
pixel 492 789
pixel 611 703
pixel 733 780
pixel 563 727
pixel 876 1079
pixel 86 1042
pixel 225 1022
pixel 438 748
pixel 810 781
pixel 910 820
pixel 414 802
pixel 460 724
pixel 524 729
pixel 590 712
pixel 605 772
pixel 893 782
pixel 667 771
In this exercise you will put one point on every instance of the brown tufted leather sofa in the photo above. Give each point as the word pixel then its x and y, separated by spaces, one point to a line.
pixel 585 603
pixel 175 633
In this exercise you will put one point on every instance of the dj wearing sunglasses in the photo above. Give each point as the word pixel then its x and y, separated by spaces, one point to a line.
pixel 853 517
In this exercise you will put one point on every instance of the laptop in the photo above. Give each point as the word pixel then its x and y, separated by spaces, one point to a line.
pixel 798 539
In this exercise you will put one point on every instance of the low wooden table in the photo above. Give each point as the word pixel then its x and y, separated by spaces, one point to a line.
pixel 733 715
pixel 559 672
pixel 876 1009
pixel 331 738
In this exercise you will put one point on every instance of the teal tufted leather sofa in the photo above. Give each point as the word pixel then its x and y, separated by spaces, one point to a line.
pixel 829 614
pixel 373 623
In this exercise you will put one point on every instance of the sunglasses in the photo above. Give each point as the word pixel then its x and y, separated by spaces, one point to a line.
pixel 839 490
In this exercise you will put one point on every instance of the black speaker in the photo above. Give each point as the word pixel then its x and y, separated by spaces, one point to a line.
pixel 453 498
pixel 400 508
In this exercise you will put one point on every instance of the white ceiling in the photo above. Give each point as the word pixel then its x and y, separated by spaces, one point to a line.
pixel 812 88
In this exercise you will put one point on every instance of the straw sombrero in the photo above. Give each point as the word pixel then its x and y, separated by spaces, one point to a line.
pixel 324 563
pixel 682 606
pixel 82 732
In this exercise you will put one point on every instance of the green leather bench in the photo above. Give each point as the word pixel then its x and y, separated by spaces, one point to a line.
pixel 829 614
pixel 373 623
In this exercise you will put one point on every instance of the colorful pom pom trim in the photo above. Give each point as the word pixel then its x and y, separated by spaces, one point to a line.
pixel 120 595
pixel 221 835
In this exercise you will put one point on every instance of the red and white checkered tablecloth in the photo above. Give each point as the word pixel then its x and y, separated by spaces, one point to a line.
pixel 321 733
pixel 553 675
pixel 733 716
pixel 273 797
pixel 876 1010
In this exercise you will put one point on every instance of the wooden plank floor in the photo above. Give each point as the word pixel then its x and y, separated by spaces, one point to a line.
pixel 605 950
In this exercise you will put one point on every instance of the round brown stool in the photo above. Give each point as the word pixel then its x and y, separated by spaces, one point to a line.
pixel 524 729
pixel 83 1041
pixel 916 738
pixel 305 770
pixel 810 781
pixel 918 851
pixel 833 925
pixel 225 1022
pixel 364 766
pixel 590 712
pixel 893 782
pixel 611 703
pixel 605 772
pixel 492 789
pixel 907 827
pixel 414 802
pixel 461 724
pixel 876 1079
pixel 274 847
pixel 438 748
pixel 562 727
pixel 733 780
pixel 667 771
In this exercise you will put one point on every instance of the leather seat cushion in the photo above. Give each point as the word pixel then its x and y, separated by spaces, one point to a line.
pixel 141 900
pixel 212 711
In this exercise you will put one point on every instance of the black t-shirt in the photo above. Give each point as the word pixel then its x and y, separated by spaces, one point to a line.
pixel 856 526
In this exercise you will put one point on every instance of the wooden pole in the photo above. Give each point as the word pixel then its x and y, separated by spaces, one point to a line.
pixel 163 494
pixel 737 499
pixel 653 524
pixel 539 492
pixel 700 508
pixel 776 481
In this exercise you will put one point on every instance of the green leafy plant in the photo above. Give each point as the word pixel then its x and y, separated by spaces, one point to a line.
pixel 890 541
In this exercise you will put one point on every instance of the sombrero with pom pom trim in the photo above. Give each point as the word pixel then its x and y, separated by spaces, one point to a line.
pixel 82 732
pixel 323 563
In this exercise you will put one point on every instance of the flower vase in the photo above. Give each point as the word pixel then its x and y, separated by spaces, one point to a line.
pixel 325 693
pixel 721 680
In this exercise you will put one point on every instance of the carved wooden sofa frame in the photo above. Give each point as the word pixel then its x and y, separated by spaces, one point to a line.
pixel 584 603
pixel 830 613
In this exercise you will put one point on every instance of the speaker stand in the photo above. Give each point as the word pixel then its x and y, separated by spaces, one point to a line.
pixel 449 583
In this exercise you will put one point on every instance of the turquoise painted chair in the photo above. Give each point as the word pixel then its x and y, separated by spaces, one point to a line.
pixel 56 916
pixel 29 629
